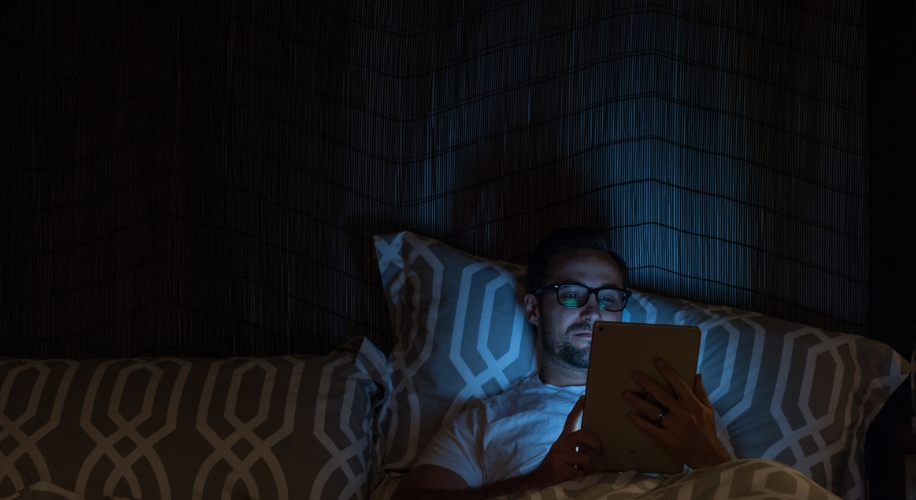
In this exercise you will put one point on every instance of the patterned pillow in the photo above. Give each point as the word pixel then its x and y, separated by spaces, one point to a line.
pixel 286 427
pixel 788 392
pixel 784 391
pixel 460 334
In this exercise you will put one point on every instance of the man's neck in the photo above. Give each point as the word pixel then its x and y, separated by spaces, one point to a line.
pixel 559 374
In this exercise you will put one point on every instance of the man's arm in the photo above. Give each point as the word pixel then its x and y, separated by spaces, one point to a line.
pixel 567 459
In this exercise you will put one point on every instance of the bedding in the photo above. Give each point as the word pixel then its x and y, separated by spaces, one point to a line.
pixel 785 392
pixel 171 428
pixel 739 479
pixel 795 402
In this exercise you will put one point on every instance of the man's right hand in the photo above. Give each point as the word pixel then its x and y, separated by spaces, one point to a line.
pixel 568 457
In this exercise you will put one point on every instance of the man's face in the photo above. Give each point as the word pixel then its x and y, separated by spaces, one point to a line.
pixel 566 334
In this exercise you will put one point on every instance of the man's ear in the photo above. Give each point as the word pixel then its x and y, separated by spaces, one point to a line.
pixel 532 309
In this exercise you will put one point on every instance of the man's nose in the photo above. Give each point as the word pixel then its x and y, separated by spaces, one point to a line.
pixel 591 309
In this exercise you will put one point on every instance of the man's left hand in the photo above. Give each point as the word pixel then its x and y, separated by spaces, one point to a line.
pixel 684 423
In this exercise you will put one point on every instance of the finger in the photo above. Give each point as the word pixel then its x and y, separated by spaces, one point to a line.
pixel 585 440
pixel 648 409
pixel 585 463
pixel 650 428
pixel 581 440
pixel 581 460
pixel 572 461
pixel 658 392
pixel 700 391
pixel 685 395
pixel 681 389
pixel 574 419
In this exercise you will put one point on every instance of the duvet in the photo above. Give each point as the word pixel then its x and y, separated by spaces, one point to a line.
pixel 736 480
pixel 739 479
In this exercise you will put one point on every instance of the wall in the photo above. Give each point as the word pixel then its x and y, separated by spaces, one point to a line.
pixel 191 177
pixel 892 178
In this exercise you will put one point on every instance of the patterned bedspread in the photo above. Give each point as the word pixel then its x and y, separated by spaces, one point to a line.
pixel 740 479
pixel 736 480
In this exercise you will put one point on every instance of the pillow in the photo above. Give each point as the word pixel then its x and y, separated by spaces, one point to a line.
pixel 788 392
pixel 784 391
pixel 284 427
pixel 460 334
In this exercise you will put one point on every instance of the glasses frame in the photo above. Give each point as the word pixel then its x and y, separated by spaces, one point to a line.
pixel 591 291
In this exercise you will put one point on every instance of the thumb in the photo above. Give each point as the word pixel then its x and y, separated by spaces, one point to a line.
pixel 574 419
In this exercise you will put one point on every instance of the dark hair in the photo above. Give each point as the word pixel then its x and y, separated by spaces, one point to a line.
pixel 565 240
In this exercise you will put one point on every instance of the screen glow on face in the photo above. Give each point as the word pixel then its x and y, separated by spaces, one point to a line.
pixel 575 296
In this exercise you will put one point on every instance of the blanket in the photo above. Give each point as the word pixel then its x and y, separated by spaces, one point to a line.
pixel 739 479
pixel 746 479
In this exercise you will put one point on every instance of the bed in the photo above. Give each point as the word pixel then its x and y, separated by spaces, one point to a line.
pixel 796 402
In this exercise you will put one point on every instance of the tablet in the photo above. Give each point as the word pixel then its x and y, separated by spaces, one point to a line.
pixel 618 350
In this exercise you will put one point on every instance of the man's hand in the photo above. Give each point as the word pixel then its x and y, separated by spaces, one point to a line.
pixel 568 457
pixel 688 427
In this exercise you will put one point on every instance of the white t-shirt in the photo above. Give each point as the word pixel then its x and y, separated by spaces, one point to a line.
pixel 506 436
pixel 509 434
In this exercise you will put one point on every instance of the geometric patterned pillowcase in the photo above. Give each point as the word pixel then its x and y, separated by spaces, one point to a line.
pixel 284 427
pixel 783 391
pixel 460 332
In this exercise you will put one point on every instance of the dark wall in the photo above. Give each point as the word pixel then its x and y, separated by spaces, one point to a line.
pixel 892 177
pixel 892 238
pixel 205 177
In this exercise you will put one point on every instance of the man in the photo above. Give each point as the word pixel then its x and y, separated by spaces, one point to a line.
pixel 528 437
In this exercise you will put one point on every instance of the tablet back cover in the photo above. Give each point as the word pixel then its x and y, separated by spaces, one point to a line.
pixel 618 350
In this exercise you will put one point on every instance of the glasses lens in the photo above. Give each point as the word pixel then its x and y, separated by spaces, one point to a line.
pixel 572 295
pixel 611 300
pixel 575 296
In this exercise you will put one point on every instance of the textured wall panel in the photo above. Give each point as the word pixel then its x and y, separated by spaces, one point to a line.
pixel 205 178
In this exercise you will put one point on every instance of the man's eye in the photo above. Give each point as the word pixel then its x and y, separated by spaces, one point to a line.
pixel 609 295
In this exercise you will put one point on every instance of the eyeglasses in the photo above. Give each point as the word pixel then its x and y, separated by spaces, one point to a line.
pixel 575 296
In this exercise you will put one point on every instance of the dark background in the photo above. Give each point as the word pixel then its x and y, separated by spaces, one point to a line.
pixel 892 176
pixel 204 178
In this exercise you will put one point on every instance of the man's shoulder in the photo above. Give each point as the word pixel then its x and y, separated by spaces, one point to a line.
pixel 506 399
pixel 527 384
pixel 527 392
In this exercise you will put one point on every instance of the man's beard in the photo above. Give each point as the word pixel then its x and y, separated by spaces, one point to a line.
pixel 565 351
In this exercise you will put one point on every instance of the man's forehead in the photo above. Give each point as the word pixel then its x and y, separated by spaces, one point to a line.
pixel 588 264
